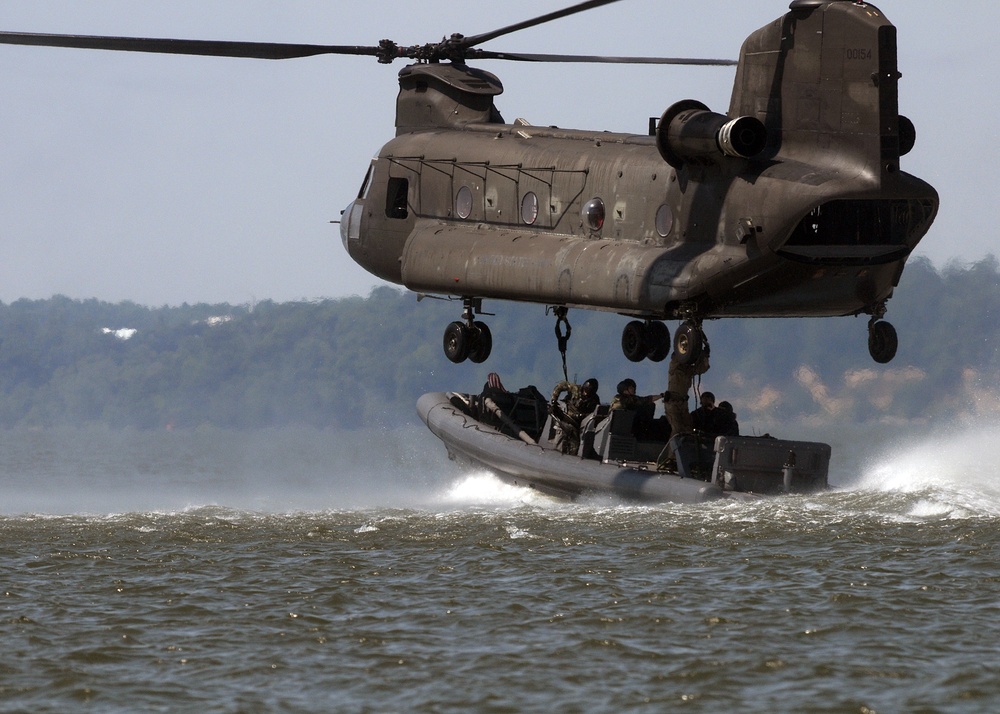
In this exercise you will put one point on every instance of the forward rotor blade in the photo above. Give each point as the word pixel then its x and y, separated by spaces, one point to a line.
pixel 598 59
pixel 212 48
pixel 565 12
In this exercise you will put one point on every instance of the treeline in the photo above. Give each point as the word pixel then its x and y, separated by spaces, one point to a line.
pixel 362 362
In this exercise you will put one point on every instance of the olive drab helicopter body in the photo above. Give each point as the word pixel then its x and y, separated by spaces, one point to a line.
pixel 791 204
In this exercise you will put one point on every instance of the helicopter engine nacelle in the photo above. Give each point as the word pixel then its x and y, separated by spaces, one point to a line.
pixel 689 132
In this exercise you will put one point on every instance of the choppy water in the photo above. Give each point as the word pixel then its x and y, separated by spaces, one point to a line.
pixel 299 571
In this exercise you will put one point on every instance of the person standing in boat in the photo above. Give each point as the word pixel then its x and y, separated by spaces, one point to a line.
pixel 680 379
pixel 581 400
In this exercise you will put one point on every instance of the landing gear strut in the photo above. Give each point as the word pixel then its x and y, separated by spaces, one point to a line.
pixel 882 339
pixel 646 339
pixel 470 338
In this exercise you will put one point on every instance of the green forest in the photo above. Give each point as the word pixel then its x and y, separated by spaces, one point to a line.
pixel 363 362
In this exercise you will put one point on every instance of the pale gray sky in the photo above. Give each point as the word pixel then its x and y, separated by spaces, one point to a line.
pixel 166 179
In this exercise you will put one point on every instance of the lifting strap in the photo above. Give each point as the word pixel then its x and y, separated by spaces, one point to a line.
pixel 563 339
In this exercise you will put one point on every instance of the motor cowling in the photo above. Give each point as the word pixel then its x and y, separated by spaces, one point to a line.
pixel 689 132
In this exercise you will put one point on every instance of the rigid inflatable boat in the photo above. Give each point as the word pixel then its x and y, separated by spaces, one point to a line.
pixel 514 436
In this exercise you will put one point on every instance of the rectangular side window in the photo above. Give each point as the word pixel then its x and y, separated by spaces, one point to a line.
pixel 395 198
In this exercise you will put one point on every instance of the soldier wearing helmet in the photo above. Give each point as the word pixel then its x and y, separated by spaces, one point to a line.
pixel 581 400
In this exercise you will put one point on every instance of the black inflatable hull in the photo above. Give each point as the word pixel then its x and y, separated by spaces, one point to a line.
pixel 548 470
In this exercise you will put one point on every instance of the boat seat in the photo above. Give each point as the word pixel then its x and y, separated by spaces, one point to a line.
pixel 590 426
pixel 622 421
pixel 614 439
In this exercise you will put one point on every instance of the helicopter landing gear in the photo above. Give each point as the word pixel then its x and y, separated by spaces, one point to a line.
pixel 689 342
pixel 468 339
pixel 882 339
pixel 646 339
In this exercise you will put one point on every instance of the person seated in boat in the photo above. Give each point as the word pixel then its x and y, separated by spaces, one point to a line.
pixel 644 425
pixel 494 400
pixel 704 417
pixel 713 420
pixel 581 400
pixel 493 385
pixel 626 398
pixel 726 421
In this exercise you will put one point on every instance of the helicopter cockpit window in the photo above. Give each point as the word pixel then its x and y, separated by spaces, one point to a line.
pixel 396 192
pixel 529 208
pixel 363 191
pixel 463 202
pixel 593 214
pixel 664 220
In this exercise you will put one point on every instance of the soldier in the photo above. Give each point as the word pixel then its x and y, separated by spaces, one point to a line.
pixel 704 417
pixel 582 399
pixel 680 378
pixel 726 421
pixel 644 408
pixel 626 398
pixel 493 385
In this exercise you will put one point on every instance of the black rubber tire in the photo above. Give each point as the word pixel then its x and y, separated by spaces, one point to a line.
pixel 658 341
pixel 688 343
pixel 634 341
pixel 882 341
pixel 482 343
pixel 457 342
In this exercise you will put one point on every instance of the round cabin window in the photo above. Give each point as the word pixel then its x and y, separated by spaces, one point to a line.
pixel 463 202
pixel 529 208
pixel 593 214
pixel 664 220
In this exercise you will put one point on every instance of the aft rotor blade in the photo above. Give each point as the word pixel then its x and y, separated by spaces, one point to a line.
pixel 531 57
pixel 565 12
pixel 212 48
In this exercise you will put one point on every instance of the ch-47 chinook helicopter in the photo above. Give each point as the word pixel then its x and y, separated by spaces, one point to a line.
pixel 792 204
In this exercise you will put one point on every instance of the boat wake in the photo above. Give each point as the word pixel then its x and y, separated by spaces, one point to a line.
pixel 949 474
pixel 952 473
pixel 482 489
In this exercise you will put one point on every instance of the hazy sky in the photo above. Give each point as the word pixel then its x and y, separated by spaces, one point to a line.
pixel 166 179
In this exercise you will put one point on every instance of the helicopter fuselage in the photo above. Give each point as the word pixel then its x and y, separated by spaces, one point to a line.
pixel 707 239
pixel 817 221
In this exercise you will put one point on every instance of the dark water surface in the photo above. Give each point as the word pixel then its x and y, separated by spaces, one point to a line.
pixel 304 571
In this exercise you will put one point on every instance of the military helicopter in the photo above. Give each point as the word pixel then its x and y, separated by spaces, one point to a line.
pixel 791 204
